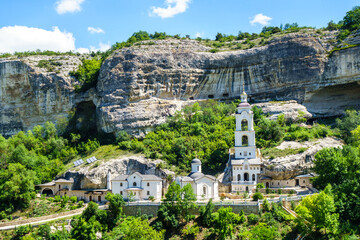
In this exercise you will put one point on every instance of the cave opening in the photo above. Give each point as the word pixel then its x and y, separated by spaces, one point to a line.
pixel 83 121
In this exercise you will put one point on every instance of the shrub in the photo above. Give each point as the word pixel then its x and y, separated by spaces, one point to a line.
pixel 257 196
pixel 80 204
pixel 279 191
pixel 191 231
pixel 253 219
pixel 214 50
pixel 152 198
pixel 57 198
pixel 50 199
pixel 73 199
pixel 267 190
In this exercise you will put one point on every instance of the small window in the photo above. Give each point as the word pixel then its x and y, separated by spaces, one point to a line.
pixel 121 193
pixel 272 183
pixel 240 154
pixel 134 177
pixel 134 184
pixel 121 184
pixel 148 184
pixel 303 181
pixel 249 153
pixel 210 96
pixel 278 183
pixel 198 168
pixel 148 193
pixel 191 98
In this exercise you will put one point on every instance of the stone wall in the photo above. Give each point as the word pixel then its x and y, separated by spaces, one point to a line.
pixel 151 209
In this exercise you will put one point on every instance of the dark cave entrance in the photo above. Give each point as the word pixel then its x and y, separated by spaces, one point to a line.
pixel 84 122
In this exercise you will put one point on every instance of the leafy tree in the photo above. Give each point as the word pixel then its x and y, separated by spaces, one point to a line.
pixel 339 167
pixel 90 211
pixel 348 123
pixel 257 196
pixel 263 232
pixel 351 20
pixel 134 228
pixel 85 230
pixel 317 213
pixel 333 26
pixel 224 221
pixel 205 213
pixel 176 205
pixel 16 187
pixel 116 203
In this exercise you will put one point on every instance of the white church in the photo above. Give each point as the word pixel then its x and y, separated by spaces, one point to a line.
pixel 204 186
pixel 245 166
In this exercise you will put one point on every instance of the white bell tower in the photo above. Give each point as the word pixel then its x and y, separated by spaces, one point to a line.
pixel 244 134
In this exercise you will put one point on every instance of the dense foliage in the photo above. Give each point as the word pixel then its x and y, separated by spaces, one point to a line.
pixel 87 74
pixel 31 158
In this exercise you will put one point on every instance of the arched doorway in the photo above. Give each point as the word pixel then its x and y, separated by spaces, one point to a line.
pixel 48 192
pixel 267 185
pixel 245 141
pixel 247 189
pixel 244 125
pixel 239 177
pixel 246 177
pixel 253 177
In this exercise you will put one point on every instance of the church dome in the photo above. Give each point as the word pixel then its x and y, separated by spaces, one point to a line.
pixel 196 160
pixel 195 175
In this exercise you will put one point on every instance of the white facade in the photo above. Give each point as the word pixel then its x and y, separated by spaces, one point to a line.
pixel 204 186
pixel 142 186
pixel 245 167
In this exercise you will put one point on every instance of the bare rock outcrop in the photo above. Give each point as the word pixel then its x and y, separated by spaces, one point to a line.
pixel 291 109
pixel 291 165
pixel 94 176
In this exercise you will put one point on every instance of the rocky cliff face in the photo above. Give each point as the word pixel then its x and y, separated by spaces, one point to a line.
pixel 170 73
pixel 139 87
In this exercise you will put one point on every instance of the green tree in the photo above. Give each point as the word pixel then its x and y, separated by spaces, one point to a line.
pixel 176 205
pixel 116 203
pixel 85 230
pixel 317 213
pixel 263 232
pixel 134 228
pixel 90 211
pixel 205 213
pixel 352 19
pixel 224 221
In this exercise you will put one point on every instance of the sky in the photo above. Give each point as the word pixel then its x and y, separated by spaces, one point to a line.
pixel 91 25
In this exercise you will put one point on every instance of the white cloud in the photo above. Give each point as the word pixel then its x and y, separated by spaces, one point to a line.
pixel 102 47
pixel 199 34
pixel 65 6
pixel 93 30
pixel 82 50
pixel 173 7
pixel 261 19
pixel 21 38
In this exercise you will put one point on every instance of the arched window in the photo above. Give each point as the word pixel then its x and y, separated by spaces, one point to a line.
pixel 244 125
pixel 204 190
pixel 253 177
pixel 239 177
pixel 245 140
pixel 246 177
pixel 134 184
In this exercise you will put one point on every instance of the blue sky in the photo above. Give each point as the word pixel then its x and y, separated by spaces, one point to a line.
pixel 96 24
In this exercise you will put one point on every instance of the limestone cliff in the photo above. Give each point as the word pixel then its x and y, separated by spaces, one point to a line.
pixel 138 87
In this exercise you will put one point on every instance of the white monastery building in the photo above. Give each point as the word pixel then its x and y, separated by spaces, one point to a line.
pixel 204 186
pixel 245 166
pixel 142 186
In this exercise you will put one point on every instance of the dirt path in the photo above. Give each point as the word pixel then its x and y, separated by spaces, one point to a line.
pixel 42 220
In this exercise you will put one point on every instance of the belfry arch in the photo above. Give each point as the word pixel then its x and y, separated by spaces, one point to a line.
pixel 245 140
pixel 244 125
